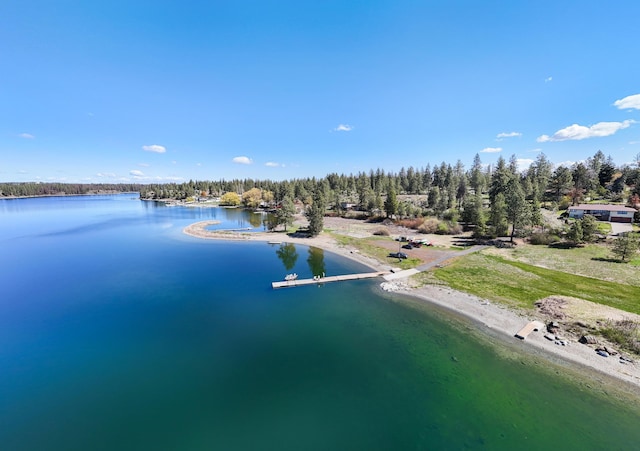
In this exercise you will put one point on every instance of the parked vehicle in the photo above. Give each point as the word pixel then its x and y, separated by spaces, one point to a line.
pixel 400 255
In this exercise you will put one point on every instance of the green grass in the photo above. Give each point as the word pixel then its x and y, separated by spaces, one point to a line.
pixel 521 284
pixel 592 260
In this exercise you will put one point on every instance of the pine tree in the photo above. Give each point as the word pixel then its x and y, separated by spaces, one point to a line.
pixel 518 211
pixel 625 246
pixel 391 203
pixel 498 216
pixel 315 213
pixel 575 234
pixel 286 212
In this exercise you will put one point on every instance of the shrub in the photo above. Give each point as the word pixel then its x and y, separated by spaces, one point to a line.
pixel 565 203
pixel 544 238
pixel 381 232
pixel 411 223
pixel 624 333
pixel 429 225
pixel 454 228
pixel 448 228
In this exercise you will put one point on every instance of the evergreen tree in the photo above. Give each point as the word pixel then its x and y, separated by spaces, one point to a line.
pixel 561 182
pixel 589 225
pixel 575 234
pixel 476 176
pixel 315 213
pixel 625 246
pixel 286 212
pixel 536 213
pixel 500 179
pixel 498 216
pixel 391 203
pixel 518 211
pixel 473 214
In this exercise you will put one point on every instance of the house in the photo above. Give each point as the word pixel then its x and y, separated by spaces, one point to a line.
pixel 603 212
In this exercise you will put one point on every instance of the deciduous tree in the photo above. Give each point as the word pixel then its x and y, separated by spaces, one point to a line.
pixel 230 198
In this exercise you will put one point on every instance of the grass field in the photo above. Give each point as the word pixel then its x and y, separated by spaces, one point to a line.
pixel 590 261
pixel 521 284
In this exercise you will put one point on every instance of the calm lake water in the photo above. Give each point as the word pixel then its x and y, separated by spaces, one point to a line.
pixel 119 332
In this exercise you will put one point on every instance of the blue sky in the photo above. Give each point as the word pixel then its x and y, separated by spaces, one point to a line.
pixel 158 91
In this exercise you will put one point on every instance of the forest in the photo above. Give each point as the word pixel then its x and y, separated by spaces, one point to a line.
pixel 493 199
pixel 34 189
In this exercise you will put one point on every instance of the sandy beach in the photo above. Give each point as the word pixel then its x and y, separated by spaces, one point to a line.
pixel 497 320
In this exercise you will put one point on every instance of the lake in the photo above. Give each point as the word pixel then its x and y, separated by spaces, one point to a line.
pixel 117 331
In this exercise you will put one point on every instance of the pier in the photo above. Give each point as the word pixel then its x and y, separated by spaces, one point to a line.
pixel 327 279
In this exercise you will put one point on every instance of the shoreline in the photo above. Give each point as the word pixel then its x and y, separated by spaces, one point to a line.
pixel 498 320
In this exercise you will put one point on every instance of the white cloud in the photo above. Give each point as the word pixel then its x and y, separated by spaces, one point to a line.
pixel 105 174
pixel 144 165
pixel 628 102
pixel 577 132
pixel 508 135
pixel 26 136
pixel 537 149
pixel 198 164
pixel 634 142
pixel 566 164
pixel 155 148
pixel 343 128
pixel 136 173
pixel 242 160
pixel 273 164
pixel 523 163
pixel 548 79
pixel 491 150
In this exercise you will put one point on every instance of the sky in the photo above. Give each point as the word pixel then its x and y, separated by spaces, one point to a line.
pixel 168 91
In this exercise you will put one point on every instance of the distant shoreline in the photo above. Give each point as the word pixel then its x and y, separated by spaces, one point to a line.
pixel 35 196
pixel 499 321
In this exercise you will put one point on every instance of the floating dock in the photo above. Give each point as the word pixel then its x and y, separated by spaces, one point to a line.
pixel 327 279
pixel 530 327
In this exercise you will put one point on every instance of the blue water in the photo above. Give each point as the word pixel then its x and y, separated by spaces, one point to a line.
pixel 117 331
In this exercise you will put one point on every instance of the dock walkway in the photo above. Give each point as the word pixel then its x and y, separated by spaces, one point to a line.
pixel 321 280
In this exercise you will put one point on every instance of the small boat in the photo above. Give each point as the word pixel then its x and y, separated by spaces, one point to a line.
pixel 292 276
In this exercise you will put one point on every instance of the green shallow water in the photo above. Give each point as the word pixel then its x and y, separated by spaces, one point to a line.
pixel 118 332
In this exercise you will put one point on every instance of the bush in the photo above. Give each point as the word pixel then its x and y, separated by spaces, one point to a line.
pixel 624 333
pixel 411 223
pixel 454 228
pixel 565 203
pixel 442 229
pixel 451 216
pixel 430 225
pixel 381 232
pixel 544 238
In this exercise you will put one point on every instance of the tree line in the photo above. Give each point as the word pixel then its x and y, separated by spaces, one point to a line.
pixel 496 200
pixel 32 189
